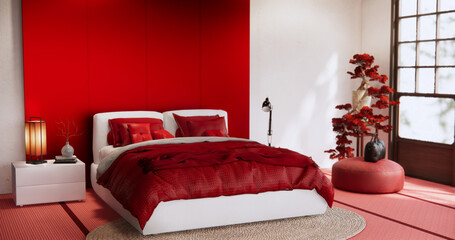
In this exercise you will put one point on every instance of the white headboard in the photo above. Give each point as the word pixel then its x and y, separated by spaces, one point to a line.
pixel 171 126
pixel 101 127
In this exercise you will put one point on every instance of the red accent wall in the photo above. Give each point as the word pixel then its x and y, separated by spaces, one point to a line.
pixel 82 57
pixel 225 62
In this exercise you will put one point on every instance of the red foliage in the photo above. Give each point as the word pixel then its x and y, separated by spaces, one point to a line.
pixel 345 106
pixel 386 89
pixel 364 60
pixel 354 124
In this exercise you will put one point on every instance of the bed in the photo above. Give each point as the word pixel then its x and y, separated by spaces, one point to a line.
pixel 185 214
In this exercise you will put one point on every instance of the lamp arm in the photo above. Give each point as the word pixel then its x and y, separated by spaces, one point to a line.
pixel 270 128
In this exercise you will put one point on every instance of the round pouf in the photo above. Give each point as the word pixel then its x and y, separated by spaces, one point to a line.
pixel 356 175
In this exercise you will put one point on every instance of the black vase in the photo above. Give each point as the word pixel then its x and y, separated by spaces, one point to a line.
pixel 374 150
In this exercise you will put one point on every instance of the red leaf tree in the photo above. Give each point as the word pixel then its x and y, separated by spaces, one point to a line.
pixel 358 120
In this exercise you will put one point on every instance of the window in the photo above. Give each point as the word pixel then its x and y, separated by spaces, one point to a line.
pixel 425 70
pixel 433 120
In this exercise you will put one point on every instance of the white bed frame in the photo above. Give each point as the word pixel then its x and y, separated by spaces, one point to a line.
pixel 181 215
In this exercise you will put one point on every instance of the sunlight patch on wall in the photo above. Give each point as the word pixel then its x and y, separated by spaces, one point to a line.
pixel 314 111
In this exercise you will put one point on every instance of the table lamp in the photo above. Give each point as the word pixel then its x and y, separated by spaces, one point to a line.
pixel 35 140
pixel 267 107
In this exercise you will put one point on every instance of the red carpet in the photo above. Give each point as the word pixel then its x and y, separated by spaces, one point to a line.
pixel 442 194
pixel 94 213
pixel 44 221
pixel 422 210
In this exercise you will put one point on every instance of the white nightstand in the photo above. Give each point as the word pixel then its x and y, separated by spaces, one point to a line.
pixel 47 182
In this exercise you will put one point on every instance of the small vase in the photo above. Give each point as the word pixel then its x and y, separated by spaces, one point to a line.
pixel 374 150
pixel 67 150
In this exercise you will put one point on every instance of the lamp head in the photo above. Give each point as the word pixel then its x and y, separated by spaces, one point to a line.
pixel 266 105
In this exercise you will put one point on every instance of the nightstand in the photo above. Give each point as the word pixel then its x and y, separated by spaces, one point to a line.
pixel 47 182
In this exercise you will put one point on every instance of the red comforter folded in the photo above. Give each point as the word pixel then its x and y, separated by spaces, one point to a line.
pixel 143 177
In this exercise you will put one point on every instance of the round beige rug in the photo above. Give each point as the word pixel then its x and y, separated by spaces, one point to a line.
pixel 336 223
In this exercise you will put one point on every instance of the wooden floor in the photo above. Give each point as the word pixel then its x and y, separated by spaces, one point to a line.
pixel 422 210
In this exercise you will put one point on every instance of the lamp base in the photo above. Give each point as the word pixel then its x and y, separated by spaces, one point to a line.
pixel 36 161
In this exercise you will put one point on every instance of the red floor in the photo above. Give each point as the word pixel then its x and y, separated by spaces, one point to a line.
pixel 422 210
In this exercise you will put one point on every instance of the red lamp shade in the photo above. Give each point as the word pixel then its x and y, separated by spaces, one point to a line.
pixel 35 140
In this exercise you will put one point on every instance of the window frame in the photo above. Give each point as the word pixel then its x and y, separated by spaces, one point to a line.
pixel 422 159
pixel 394 64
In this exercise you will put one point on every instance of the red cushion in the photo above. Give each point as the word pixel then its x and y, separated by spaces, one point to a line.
pixel 119 127
pixel 198 128
pixel 214 133
pixel 182 122
pixel 356 175
pixel 161 134
pixel 139 132
pixel 110 138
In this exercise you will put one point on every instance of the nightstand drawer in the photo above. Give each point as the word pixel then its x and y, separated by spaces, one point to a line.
pixel 49 174
pixel 50 193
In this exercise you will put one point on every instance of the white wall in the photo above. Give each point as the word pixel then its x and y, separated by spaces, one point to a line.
pixel 376 31
pixel 300 51
pixel 11 90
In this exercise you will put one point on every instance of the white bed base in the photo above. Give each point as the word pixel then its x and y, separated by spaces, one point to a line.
pixel 178 215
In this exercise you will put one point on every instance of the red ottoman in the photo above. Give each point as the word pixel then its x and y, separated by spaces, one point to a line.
pixel 356 175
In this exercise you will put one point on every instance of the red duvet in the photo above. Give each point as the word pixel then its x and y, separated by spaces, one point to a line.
pixel 143 177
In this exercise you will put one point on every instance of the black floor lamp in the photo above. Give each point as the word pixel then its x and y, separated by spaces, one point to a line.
pixel 267 107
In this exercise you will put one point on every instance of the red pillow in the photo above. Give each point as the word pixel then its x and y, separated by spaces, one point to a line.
pixel 182 122
pixel 198 128
pixel 161 134
pixel 139 132
pixel 110 138
pixel 178 133
pixel 214 133
pixel 119 127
